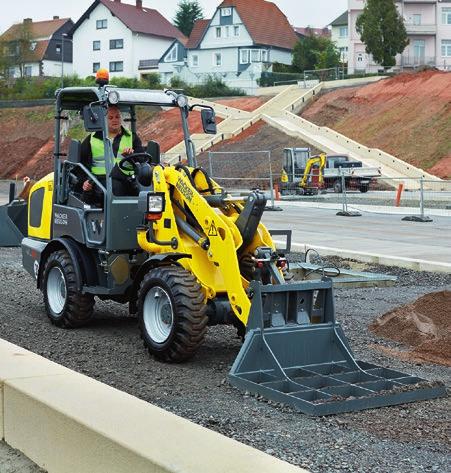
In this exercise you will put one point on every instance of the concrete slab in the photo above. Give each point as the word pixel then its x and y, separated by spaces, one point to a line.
pixel 68 423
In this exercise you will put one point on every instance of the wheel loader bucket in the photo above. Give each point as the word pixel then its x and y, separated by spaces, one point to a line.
pixel 13 223
pixel 296 353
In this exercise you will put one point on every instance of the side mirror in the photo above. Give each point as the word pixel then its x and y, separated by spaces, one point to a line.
pixel 208 121
pixel 94 117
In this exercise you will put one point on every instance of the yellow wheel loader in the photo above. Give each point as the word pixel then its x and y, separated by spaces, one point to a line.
pixel 185 255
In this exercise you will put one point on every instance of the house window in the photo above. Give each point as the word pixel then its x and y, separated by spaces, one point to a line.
pixel 226 11
pixel 95 67
pixel 217 59
pixel 446 16
pixel 446 47
pixel 195 60
pixel 244 56
pixel 416 19
pixel 227 32
pixel 343 31
pixel 218 32
pixel 116 43
pixel 256 55
pixel 101 24
pixel 253 55
pixel 58 49
pixel 172 54
pixel 11 72
pixel 27 71
pixel 33 45
pixel 96 45
pixel 236 30
pixel 116 66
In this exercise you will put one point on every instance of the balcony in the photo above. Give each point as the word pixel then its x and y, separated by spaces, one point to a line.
pixel 421 29
pixel 415 61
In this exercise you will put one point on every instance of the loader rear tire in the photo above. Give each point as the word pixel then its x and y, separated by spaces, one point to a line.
pixel 65 305
pixel 171 313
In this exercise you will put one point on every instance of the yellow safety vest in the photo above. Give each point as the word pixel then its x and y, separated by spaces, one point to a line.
pixel 98 153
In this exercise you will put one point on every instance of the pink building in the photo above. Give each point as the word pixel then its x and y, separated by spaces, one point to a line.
pixel 428 25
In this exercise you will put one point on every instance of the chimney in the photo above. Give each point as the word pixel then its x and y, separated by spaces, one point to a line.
pixel 139 4
pixel 56 17
pixel 27 21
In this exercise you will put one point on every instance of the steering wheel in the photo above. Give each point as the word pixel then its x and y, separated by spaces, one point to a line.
pixel 133 159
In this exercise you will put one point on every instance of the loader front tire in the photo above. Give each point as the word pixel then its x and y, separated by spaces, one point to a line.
pixel 65 305
pixel 171 313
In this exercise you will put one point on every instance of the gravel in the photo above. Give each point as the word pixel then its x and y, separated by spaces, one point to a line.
pixel 12 461
pixel 412 437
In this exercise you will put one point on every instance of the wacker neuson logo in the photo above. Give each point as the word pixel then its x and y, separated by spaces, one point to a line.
pixel 60 218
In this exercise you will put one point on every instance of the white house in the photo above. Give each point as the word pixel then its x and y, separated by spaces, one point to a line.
pixel 128 40
pixel 428 25
pixel 242 40
pixel 340 35
pixel 45 48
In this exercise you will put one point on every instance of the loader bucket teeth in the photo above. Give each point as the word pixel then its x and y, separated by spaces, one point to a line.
pixel 296 353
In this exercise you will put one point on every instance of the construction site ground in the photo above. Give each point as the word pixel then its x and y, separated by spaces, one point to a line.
pixel 413 437
pixel 372 233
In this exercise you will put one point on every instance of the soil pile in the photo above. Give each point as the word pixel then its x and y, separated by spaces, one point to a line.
pixel 424 326
pixel 408 116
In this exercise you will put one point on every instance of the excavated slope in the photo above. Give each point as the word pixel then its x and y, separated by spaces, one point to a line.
pixel 408 116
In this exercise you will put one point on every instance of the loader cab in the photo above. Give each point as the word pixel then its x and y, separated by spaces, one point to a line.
pixel 111 225
pixel 295 161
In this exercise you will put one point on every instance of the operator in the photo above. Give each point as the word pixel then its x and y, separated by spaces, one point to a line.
pixel 125 143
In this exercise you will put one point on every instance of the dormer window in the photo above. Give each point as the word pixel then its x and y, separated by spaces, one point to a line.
pixel 33 45
pixel 172 55
pixel 226 11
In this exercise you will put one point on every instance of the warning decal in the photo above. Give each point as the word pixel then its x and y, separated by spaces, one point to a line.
pixel 213 230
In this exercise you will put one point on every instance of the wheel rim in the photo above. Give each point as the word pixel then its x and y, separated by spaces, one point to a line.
pixel 56 290
pixel 158 314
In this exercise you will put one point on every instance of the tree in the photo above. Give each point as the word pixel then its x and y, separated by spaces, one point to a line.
pixel 16 50
pixel 382 30
pixel 189 11
pixel 315 52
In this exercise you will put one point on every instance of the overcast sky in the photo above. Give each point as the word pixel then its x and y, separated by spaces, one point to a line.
pixel 299 12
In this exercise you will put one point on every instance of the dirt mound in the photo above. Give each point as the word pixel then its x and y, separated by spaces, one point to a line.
pixel 424 326
pixel 408 116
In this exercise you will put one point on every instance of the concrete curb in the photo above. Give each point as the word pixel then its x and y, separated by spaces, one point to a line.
pixel 385 260
pixel 67 423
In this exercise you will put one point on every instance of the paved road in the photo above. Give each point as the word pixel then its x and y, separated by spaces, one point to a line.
pixel 370 233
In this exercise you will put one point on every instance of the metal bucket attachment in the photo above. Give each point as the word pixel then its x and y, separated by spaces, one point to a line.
pixel 13 223
pixel 296 353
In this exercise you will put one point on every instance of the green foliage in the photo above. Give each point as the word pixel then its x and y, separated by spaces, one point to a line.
pixel 285 68
pixel 188 12
pixel 315 52
pixel 31 88
pixel 212 87
pixel 382 30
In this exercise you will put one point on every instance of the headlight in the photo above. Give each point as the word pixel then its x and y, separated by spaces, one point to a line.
pixel 182 101
pixel 155 203
pixel 113 97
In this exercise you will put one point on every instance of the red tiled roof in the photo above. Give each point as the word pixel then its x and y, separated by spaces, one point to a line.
pixel 143 20
pixel 313 31
pixel 38 29
pixel 265 22
pixel 197 34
